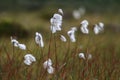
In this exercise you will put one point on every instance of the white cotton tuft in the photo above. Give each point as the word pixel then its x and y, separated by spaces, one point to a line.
pixel 48 66
pixel 84 30
pixel 98 28
pixel 22 46
pixel 50 70
pixel 63 38
pixel 84 27
pixel 56 23
pixel 14 42
pixel 29 59
pixel 81 55
pixel 39 39
pixel 47 63
pixel 71 34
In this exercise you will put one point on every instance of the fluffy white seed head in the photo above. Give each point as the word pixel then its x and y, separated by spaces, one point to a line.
pixel 39 39
pixel 22 46
pixel 81 55
pixel 50 70
pixel 29 58
pixel 48 66
pixel 56 23
pixel 47 63
pixel 98 28
pixel 84 27
pixel 84 30
pixel 71 35
pixel 14 42
pixel 63 38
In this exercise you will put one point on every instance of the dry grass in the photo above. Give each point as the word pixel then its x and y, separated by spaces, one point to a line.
pixel 104 64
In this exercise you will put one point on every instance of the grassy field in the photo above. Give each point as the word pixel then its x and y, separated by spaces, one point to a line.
pixel 104 48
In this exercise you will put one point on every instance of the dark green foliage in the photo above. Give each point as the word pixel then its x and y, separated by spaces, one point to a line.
pixel 12 29
pixel 90 5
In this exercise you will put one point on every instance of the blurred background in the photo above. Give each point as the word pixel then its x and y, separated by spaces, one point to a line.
pixel 23 18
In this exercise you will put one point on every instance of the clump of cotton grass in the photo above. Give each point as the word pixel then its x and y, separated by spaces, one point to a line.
pixel 56 22
pixel 48 66
pixel 71 34
pixel 39 39
pixel 17 44
pixel 82 56
pixel 63 38
pixel 29 59
pixel 98 28
pixel 84 27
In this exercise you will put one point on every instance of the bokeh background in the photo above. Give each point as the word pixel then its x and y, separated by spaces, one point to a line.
pixel 24 17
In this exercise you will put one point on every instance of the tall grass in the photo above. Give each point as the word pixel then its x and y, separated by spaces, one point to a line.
pixel 104 65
